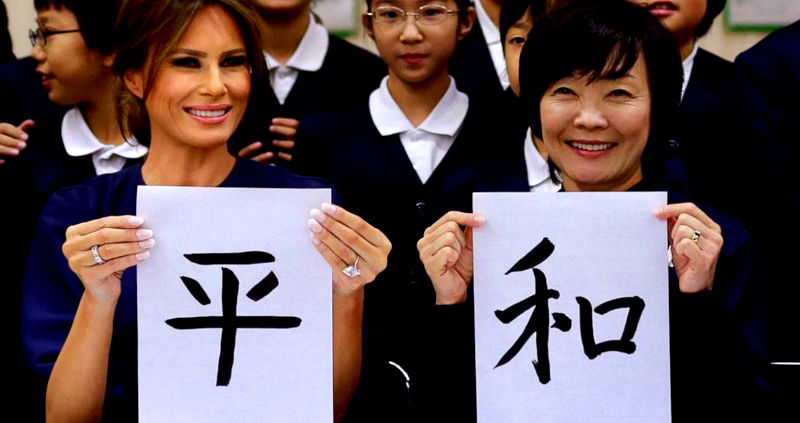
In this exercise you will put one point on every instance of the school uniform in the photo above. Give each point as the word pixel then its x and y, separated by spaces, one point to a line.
pixel 478 64
pixel 401 180
pixel 715 154
pixel 52 291
pixel 61 152
pixel 325 73
pixel 24 97
pixel 768 86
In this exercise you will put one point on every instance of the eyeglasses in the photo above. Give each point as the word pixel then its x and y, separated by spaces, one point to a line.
pixel 430 14
pixel 38 36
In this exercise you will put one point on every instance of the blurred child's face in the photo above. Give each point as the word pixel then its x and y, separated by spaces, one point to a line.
pixel 512 47
pixel 681 17
pixel 416 51
pixel 69 69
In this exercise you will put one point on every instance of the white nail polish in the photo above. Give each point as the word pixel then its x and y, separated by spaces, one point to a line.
pixel 329 208
pixel 135 220
pixel 148 243
pixel 314 226
pixel 143 255
pixel 144 234
pixel 318 215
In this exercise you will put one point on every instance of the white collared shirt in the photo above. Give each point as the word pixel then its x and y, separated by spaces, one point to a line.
pixel 80 141
pixel 309 56
pixel 539 178
pixel 688 65
pixel 427 144
pixel 492 35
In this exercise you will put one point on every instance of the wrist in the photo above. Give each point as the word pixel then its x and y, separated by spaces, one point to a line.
pixel 449 298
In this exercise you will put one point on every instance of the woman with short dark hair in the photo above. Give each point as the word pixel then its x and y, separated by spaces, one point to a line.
pixel 603 108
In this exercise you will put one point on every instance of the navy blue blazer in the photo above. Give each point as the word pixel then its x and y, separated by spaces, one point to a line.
pixel 347 76
pixel 472 66
pixel 28 181
pixel 23 94
pixel 375 179
pixel 717 157
pixel 51 291
pixel 768 86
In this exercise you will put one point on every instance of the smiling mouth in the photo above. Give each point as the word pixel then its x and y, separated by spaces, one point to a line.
pixel 590 146
pixel 209 114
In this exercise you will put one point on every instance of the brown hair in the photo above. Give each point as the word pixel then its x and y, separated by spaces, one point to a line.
pixel 145 34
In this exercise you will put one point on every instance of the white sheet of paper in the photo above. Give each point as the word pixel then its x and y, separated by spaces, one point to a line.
pixel 606 246
pixel 278 375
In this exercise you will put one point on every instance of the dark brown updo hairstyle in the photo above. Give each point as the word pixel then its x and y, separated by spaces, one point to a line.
pixel 147 31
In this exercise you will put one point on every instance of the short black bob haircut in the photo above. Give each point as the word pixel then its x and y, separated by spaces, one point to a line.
pixel 602 39
pixel 713 9
pixel 513 10
pixel 95 19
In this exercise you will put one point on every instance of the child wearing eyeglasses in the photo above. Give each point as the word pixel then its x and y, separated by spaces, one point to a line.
pixel 401 160
pixel 54 147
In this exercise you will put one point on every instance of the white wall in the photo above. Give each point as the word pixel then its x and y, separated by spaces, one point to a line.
pixel 21 18
pixel 719 40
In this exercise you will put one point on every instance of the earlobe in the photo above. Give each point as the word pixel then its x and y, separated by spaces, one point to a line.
pixel 465 23
pixel 108 60
pixel 134 82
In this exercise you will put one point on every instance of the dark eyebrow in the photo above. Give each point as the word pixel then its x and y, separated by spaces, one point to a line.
pixel 199 53
pixel 234 52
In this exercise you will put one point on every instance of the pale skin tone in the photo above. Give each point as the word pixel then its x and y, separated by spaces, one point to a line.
pixel 75 75
pixel 283 24
pixel 573 109
pixel 417 87
pixel 212 74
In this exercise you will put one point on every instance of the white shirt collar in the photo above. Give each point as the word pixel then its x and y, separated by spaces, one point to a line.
pixel 538 169
pixel 688 65
pixel 445 119
pixel 490 32
pixel 310 53
pixel 80 141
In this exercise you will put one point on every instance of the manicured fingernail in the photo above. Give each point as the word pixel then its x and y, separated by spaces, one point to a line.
pixel 144 234
pixel 314 226
pixel 24 137
pixel 329 208
pixel 21 145
pixel 480 219
pixel 143 255
pixel 271 128
pixel 13 151
pixel 314 240
pixel 147 244
pixel 135 220
pixel 318 215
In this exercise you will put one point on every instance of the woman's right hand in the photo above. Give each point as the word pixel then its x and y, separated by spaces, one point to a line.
pixel 446 253
pixel 121 244
pixel 12 138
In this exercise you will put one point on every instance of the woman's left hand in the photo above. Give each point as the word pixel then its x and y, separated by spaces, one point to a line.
pixel 342 238
pixel 696 242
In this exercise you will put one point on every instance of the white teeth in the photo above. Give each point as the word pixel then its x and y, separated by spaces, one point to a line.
pixel 207 113
pixel 591 147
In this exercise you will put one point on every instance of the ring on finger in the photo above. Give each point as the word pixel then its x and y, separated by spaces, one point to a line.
pixel 352 271
pixel 96 255
pixel 695 236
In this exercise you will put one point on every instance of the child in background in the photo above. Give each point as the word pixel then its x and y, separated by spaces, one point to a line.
pixel 401 160
pixel 310 71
